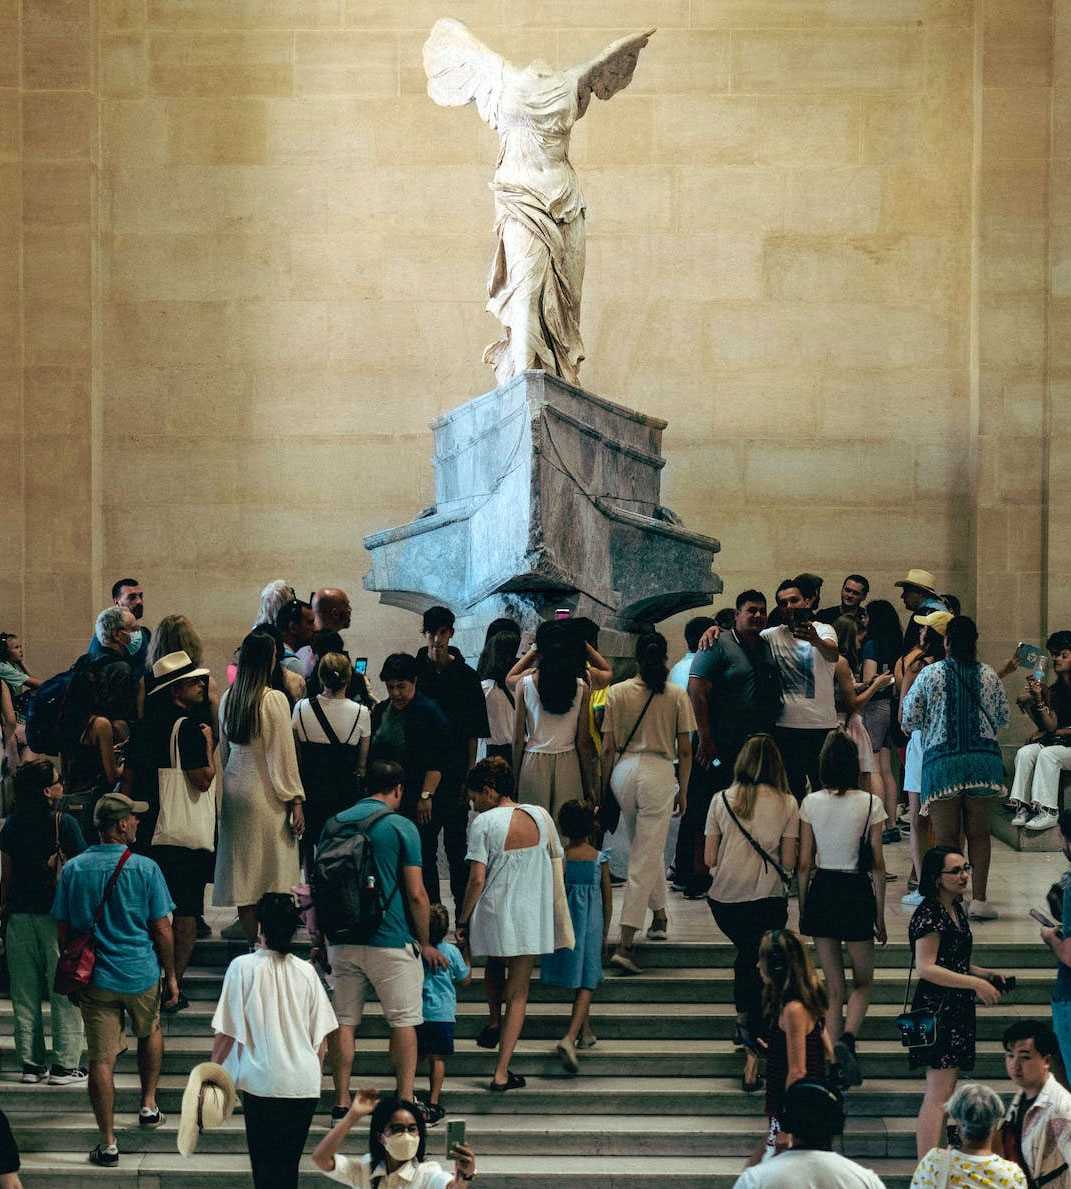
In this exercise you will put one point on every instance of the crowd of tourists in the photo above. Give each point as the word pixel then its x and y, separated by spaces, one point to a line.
pixel 794 744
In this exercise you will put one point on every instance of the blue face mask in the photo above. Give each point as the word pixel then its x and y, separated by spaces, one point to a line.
pixel 135 642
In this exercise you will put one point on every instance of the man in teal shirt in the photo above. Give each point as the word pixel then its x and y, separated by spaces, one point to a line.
pixel 393 960
pixel 134 945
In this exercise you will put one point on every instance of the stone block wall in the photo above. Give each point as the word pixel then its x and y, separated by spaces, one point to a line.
pixel 818 246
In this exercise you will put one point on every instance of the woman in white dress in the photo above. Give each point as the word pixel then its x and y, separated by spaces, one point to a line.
pixel 261 818
pixel 508 911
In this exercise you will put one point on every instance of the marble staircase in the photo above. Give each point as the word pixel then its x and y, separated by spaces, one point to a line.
pixel 658 1098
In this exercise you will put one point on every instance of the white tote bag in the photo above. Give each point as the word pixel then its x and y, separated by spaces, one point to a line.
pixel 187 816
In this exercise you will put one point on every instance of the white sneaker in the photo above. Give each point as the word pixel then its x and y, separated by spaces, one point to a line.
pixel 982 910
pixel 1044 819
pixel 912 899
pixel 1023 816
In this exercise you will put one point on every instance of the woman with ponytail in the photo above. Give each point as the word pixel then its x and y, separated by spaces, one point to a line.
pixel 275 1016
pixel 647 728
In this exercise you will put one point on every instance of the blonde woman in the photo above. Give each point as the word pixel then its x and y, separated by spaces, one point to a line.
pixel 262 816
pixel 175 633
pixel 752 834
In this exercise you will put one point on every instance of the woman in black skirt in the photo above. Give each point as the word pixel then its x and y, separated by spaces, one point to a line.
pixel 842 889
pixel 941 941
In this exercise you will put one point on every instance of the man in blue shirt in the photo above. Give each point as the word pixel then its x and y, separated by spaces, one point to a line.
pixel 133 943
pixel 391 961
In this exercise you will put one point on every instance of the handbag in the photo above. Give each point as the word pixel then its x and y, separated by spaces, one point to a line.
pixel 767 859
pixel 610 807
pixel 918 1029
pixel 74 970
pixel 865 861
pixel 187 815
pixel 57 859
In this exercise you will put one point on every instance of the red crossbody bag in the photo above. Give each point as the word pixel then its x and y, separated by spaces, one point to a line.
pixel 74 970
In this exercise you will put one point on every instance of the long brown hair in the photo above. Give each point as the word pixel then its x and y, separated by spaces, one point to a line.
pixel 241 714
pixel 759 762
pixel 788 974
pixel 174 633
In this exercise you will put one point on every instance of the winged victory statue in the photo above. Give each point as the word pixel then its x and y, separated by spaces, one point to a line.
pixel 538 267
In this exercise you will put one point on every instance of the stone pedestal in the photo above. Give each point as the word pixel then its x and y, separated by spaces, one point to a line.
pixel 547 496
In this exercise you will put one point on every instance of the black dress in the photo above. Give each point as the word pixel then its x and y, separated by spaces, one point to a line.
pixel 954 1047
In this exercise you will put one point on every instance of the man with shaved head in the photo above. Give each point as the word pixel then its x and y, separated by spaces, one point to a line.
pixel 331 607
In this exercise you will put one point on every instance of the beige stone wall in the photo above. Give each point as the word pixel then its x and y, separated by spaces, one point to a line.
pixel 291 243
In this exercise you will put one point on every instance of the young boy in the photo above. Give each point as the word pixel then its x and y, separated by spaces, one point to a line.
pixel 435 1037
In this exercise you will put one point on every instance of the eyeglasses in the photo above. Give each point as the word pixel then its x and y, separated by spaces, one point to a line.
pixel 402 1129
pixel 966 869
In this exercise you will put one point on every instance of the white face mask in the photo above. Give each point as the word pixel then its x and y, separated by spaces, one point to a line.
pixel 402 1147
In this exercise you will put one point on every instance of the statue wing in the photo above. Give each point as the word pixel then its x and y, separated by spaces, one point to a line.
pixel 461 69
pixel 611 71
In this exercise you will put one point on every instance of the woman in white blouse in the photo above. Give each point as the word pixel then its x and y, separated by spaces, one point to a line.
pixel 397 1137
pixel 271 1025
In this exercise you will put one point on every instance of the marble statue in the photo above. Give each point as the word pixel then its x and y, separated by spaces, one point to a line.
pixel 538 267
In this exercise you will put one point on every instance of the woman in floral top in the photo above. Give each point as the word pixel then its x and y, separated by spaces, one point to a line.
pixel 977 1112
pixel 960 705
pixel 948 984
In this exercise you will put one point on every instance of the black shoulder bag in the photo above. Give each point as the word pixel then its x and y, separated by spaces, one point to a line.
pixel 609 807
pixel 865 862
pixel 918 1029
pixel 767 859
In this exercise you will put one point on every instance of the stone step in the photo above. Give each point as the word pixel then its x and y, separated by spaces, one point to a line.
pixel 611 1021
pixel 217 952
pixel 618 1095
pixel 154 1170
pixel 672 986
pixel 610 1058
pixel 593 1135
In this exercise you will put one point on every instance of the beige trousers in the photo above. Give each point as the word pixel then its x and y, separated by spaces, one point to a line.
pixel 549 779
pixel 645 786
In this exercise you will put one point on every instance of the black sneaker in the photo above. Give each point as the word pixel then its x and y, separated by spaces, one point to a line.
pixel 180 1004
pixel 435 1113
pixel 105 1157
pixel 60 1076
pixel 846 1061
pixel 151 1121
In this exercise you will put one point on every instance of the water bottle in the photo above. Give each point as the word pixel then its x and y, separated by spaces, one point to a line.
pixel 1039 669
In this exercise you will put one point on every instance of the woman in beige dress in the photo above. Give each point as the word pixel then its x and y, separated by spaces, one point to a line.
pixel 261 818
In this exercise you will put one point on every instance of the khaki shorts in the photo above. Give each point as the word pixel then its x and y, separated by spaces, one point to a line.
pixel 396 976
pixel 103 1012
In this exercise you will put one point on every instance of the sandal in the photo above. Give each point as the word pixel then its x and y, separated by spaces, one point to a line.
pixel 513 1081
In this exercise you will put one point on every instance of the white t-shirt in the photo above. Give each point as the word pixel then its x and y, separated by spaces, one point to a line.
pixel 549 734
pixel 681 671
pixel 808 1167
pixel 838 822
pixel 358 1171
pixel 278 1013
pixel 806 679
pixel 350 721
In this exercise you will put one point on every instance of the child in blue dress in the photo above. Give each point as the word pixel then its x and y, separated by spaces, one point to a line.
pixel 587 889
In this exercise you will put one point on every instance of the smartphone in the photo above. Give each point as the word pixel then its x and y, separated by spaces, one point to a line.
pixel 360 664
pixel 1042 919
pixel 563 613
pixel 455 1134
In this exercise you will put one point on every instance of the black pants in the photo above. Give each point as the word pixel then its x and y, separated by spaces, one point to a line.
pixel 688 868
pixel 744 923
pixel 800 750
pixel 275 1131
pixel 449 817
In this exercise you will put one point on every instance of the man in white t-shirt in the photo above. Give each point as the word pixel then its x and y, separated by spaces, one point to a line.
pixel 806 655
pixel 812 1114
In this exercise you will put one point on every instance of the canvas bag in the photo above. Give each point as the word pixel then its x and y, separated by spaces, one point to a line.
pixel 187 816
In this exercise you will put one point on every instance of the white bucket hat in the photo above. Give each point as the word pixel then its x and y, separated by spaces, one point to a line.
pixel 207 1102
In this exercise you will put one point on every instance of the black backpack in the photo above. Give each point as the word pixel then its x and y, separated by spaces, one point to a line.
pixel 346 889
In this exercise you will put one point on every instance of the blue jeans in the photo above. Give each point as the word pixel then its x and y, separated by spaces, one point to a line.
pixel 1061 1025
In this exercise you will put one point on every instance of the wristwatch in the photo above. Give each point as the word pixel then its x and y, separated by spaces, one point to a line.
pixel 425 795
